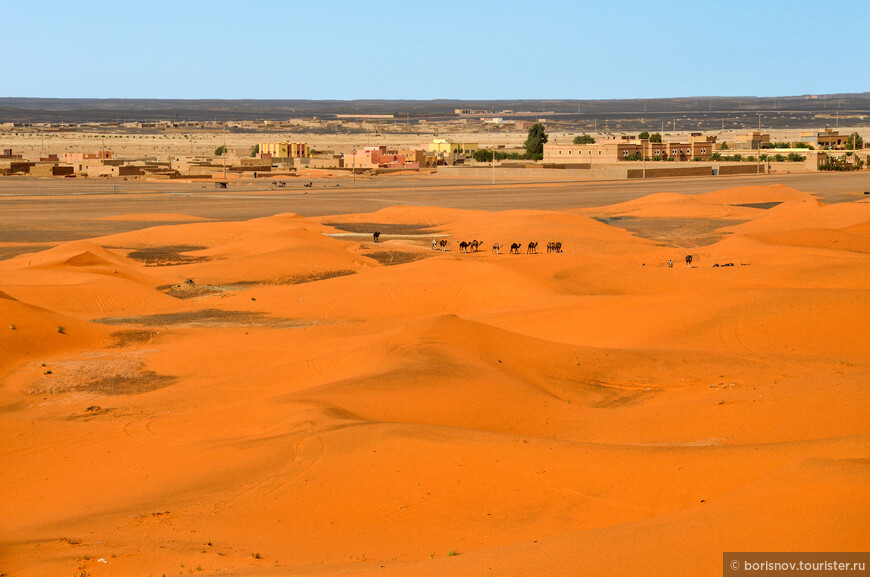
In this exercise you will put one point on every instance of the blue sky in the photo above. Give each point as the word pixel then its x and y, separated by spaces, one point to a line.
pixel 425 50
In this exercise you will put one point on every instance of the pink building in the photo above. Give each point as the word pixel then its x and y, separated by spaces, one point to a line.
pixel 379 157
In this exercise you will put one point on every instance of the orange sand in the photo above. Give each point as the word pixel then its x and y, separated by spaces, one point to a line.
pixel 304 409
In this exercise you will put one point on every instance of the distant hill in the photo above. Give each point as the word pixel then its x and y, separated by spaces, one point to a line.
pixel 785 111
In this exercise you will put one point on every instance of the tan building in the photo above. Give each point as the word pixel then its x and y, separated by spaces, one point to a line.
pixel 754 140
pixel 829 139
pixel 610 151
pixel 285 149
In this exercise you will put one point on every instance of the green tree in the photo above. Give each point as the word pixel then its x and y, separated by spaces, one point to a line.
pixel 482 155
pixel 534 144
pixel 220 150
pixel 643 135
pixel 854 141
pixel 584 139
pixel 655 137
pixel 255 150
pixel 724 146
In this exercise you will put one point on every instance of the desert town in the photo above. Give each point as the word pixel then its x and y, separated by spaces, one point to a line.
pixel 310 147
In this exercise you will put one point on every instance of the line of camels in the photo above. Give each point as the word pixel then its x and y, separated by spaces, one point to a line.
pixel 475 245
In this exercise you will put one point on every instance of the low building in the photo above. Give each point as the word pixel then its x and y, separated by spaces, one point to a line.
pixel 73 157
pixel 380 157
pixel 448 147
pixel 829 139
pixel 754 140
pixel 618 150
pixel 285 149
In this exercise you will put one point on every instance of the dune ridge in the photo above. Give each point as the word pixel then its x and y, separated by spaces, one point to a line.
pixel 269 397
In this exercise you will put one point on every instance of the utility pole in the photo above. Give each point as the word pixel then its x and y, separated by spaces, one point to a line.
pixel 493 164
pixel 224 154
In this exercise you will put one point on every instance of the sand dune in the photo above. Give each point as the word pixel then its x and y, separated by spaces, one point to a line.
pixel 284 396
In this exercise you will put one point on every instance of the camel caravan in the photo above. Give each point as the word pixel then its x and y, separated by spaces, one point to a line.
pixel 475 246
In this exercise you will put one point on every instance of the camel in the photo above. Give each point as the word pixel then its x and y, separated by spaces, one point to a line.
pixel 475 245
pixel 463 246
pixel 434 244
pixel 376 236
pixel 551 247
pixel 515 248
pixel 557 247
pixel 443 245
pixel 532 248
pixel 496 247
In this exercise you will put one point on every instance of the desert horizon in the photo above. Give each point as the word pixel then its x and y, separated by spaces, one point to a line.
pixel 281 395
pixel 449 290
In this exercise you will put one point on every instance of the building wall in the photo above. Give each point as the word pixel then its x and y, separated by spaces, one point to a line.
pixel 285 149
pixel 623 150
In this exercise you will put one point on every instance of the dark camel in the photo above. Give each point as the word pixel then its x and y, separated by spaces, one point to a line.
pixel 515 248
pixel 376 236
pixel 532 248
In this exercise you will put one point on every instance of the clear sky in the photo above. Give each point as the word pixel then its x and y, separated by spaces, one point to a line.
pixel 475 49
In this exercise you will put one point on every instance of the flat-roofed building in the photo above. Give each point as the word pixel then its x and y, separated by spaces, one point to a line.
pixel 752 140
pixel 828 139
pixel 285 149
pixel 443 146
pixel 616 150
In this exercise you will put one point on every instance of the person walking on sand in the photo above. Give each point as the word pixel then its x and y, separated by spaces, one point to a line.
pixel 689 260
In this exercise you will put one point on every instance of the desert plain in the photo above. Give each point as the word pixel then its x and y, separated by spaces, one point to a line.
pixel 196 382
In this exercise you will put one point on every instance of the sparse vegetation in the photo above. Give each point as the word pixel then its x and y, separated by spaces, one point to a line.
pixel 655 137
pixel 60 330
pixel 586 139
pixel 723 146
pixel 854 141
pixel 452 553
pixel 256 556
pixel 255 150
pixel 643 135
pixel 220 150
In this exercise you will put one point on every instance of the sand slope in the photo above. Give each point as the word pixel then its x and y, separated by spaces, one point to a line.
pixel 314 403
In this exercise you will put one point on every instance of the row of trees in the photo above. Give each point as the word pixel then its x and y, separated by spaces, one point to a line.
pixel 654 137
pixel 534 146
